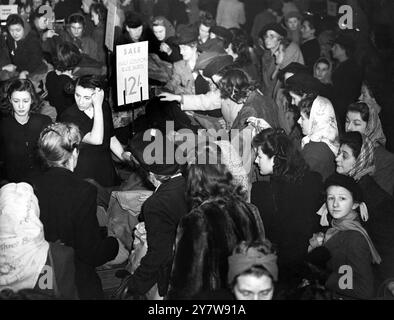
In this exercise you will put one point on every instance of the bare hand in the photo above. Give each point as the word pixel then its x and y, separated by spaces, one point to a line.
pixel 49 34
pixel 164 47
pixel 9 68
pixel 98 98
pixel 24 75
pixel 316 241
pixel 166 96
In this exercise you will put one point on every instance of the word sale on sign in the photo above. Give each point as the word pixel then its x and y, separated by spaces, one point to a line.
pixel 132 72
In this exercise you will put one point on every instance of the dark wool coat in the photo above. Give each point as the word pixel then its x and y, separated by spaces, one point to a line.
pixel 68 208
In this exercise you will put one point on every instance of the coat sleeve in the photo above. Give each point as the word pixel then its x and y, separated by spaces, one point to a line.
pixel 90 246
pixel 161 233
pixel 202 102
pixel 354 276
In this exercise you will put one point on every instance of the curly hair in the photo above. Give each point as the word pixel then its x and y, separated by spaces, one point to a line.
pixel 206 181
pixel 57 143
pixel 240 46
pixel 288 162
pixel 20 85
pixel 361 108
pixel 235 85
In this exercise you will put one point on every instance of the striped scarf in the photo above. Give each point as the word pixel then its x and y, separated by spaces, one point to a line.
pixel 365 162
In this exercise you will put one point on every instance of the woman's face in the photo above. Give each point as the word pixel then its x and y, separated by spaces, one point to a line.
pixel 345 159
pixel 306 31
pixel 159 32
pixel 293 23
pixel 365 94
pixel 321 71
pixel 304 122
pixel 250 287
pixel 135 33
pixel 21 103
pixel 83 98
pixel 203 32
pixel 271 40
pixel 95 18
pixel 265 164
pixel 339 202
pixel 16 31
pixel 295 98
pixel 354 122
pixel 187 52
pixel 76 29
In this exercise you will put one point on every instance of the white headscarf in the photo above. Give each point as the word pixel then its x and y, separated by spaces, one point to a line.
pixel 323 125
pixel 23 249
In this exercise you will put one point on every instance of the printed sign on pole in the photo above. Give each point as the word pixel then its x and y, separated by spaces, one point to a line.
pixel 6 10
pixel 132 72
pixel 110 27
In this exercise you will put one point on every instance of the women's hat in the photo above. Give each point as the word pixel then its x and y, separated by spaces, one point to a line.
pixel 186 35
pixel 304 82
pixel 346 182
pixel 204 59
pixel 277 27
pixel 217 64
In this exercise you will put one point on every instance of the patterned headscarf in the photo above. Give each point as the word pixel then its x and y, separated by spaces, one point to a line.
pixel 374 130
pixel 365 162
pixel 23 249
pixel 323 125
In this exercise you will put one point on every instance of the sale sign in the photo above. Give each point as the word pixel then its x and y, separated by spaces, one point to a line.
pixel 132 72
pixel 6 10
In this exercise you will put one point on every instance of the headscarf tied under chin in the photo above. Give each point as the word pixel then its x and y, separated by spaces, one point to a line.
pixel 350 222
pixel 23 249
pixel 240 262
pixel 365 162
pixel 323 125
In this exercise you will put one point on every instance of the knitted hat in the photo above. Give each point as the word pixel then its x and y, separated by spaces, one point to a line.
pixel 217 64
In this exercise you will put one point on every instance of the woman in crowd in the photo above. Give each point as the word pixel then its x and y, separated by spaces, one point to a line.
pixel 165 47
pixel 60 82
pixel 75 34
pixel 253 271
pixel 19 131
pixel 318 123
pixel 28 261
pixel 322 71
pixel 356 159
pixel 98 14
pixel 350 249
pixel 364 118
pixel 219 219
pixel 288 202
pixel 94 118
pixel 68 207
pixel 292 20
pixel 239 50
pixel 25 49
pixel 243 100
